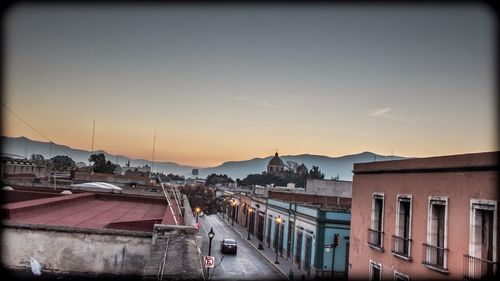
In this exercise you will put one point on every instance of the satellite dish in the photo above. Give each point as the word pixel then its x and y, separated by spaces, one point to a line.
pixel 36 268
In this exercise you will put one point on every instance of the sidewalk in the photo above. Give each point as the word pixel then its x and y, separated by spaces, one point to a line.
pixel 285 264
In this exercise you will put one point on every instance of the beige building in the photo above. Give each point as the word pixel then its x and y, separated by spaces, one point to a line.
pixel 21 168
pixel 428 218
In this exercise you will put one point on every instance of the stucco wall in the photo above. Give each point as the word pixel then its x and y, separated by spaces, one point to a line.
pixel 74 252
pixel 329 187
pixel 460 187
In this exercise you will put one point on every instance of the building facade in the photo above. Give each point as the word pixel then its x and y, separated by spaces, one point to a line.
pixel 431 218
pixel 21 168
pixel 110 234
pixel 305 234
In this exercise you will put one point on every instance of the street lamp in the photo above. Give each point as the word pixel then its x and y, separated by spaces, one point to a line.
pixel 211 235
pixel 234 212
pixel 197 210
pixel 334 245
pixel 278 221
pixel 249 214
pixel 227 210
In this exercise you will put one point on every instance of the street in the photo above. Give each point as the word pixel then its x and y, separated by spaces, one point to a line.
pixel 248 264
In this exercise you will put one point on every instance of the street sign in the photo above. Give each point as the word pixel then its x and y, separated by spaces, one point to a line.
pixel 209 261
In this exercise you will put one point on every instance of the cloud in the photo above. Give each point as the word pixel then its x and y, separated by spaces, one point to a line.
pixel 380 112
pixel 265 103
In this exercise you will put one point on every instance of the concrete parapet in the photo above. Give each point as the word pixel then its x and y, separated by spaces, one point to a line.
pixel 174 255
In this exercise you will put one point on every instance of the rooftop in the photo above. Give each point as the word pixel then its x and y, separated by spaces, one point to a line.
pixel 471 161
pixel 88 210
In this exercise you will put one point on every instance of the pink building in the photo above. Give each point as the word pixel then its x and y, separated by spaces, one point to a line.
pixel 427 218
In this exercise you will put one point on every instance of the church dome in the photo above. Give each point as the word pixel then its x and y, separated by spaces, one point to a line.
pixel 276 161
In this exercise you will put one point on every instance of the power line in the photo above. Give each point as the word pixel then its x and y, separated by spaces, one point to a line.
pixel 32 127
pixel 25 122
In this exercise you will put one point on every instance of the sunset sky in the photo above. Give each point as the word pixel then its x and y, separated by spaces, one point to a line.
pixel 222 83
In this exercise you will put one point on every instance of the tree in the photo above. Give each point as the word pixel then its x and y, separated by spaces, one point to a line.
pixel 38 159
pixel 315 173
pixel 62 163
pixel 214 179
pixel 100 165
pixel 172 177
pixel 291 166
pixel 263 179
pixel 202 197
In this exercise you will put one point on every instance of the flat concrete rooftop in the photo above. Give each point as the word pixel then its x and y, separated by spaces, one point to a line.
pixel 91 210
pixel 470 161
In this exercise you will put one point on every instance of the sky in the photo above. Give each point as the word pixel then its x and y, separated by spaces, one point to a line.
pixel 233 82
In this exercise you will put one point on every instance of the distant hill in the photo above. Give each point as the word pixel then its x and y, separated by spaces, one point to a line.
pixel 330 166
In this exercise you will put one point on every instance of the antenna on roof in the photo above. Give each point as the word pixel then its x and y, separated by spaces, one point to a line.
pixel 93 134
pixel 92 147
pixel 153 159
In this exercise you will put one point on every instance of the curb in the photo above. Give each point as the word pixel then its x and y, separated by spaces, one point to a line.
pixel 257 250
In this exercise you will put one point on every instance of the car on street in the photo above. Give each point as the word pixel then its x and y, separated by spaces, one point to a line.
pixel 228 246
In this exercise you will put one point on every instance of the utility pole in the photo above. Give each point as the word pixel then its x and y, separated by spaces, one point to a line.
pixel 153 159
pixel 92 147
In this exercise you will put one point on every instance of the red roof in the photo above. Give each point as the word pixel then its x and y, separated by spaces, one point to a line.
pixel 93 210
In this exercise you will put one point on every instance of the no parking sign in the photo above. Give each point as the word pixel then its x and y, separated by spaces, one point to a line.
pixel 208 261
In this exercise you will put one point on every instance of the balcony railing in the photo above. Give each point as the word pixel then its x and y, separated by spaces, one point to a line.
pixel 435 257
pixel 476 268
pixel 322 274
pixel 401 246
pixel 375 238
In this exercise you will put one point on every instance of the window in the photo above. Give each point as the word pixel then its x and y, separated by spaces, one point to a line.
pixel 480 263
pixel 269 224
pixel 276 235
pixel 398 276
pixel 260 226
pixel 289 240
pixel 401 245
pixel 375 271
pixel 376 230
pixel 307 258
pixel 298 248
pixel 282 233
pixel 435 251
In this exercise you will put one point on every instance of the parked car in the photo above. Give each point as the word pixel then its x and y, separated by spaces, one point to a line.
pixel 228 246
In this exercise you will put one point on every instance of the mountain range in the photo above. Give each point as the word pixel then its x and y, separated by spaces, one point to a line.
pixel 331 166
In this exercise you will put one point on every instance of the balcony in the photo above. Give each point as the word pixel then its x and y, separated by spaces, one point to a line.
pixel 476 268
pixel 322 274
pixel 435 258
pixel 375 239
pixel 401 247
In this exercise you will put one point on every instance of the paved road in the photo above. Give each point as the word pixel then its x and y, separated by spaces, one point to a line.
pixel 248 264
